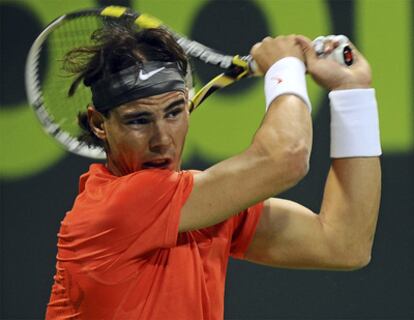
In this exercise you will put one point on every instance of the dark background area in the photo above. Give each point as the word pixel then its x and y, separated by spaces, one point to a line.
pixel 33 206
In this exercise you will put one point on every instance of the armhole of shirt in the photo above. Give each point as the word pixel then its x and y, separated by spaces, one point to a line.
pixel 174 221
pixel 249 230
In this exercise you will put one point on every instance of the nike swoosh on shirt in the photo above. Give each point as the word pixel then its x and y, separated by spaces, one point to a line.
pixel 146 76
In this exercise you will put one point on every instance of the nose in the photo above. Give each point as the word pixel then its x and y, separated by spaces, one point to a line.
pixel 160 138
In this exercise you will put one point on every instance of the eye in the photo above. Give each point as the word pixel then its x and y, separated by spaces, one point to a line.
pixel 139 121
pixel 174 113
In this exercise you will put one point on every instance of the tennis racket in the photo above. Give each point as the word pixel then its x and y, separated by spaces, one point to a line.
pixel 47 84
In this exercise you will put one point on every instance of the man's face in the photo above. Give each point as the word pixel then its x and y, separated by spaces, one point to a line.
pixel 147 133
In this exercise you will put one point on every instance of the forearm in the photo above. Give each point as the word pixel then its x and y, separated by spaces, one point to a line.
pixel 350 206
pixel 285 134
pixel 275 161
pixel 352 193
pixel 278 156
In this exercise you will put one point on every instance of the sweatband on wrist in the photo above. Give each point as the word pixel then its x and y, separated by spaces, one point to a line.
pixel 286 76
pixel 354 123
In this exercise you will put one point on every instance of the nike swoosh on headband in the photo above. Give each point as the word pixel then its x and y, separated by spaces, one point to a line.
pixel 146 76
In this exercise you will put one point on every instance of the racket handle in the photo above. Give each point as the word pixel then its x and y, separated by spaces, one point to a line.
pixel 341 54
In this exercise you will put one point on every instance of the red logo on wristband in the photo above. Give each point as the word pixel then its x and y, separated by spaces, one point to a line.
pixel 277 79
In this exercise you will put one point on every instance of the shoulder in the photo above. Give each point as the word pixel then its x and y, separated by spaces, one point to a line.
pixel 155 177
pixel 101 185
pixel 153 184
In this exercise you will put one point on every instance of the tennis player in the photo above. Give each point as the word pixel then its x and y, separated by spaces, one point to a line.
pixel 148 240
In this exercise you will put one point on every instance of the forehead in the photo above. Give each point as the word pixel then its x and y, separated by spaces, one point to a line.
pixel 153 103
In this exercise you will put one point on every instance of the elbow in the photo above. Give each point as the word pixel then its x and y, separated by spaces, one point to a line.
pixel 364 262
pixel 296 159
pixel 285 159
pixel 357 254
pixel 357 263
pixel 364 258
pixel 301 165
pixel 354 260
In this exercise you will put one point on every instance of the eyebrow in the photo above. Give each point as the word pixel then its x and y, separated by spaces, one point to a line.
pixel 174 104
pixel 138 114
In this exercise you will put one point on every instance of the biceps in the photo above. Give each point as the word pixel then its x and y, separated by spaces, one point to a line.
pixel 290 235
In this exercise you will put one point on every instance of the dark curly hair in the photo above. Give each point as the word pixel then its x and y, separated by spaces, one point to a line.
pixel 115 48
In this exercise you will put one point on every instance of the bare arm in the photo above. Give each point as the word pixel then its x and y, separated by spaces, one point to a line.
pixel 341 236
pixel 350 206
pixel 276 159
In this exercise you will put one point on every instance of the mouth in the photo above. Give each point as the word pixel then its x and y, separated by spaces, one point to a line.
pixel 164 163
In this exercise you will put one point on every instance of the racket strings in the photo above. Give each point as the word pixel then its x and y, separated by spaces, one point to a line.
pixel 63 109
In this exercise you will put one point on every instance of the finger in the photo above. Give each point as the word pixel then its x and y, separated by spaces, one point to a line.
pixel 355 50
pixel 353 47
pixel 331 45
pixel 359 59
pixel 255 47
pixel 307 47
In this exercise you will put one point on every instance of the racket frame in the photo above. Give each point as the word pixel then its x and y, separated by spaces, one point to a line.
pixel 237 68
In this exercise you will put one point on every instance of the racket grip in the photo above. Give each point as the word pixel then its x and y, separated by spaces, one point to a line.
pixel 341 54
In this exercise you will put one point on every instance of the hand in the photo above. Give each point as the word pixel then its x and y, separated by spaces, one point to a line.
pixel 332 75
pixel 270 50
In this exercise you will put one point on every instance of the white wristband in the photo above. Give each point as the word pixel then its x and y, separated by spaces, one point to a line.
pixel 286 76
pixel 354 124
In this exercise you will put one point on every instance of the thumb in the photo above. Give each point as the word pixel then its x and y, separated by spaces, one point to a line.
pixel 307 47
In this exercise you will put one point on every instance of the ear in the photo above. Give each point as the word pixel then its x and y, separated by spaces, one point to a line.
pixel 96 123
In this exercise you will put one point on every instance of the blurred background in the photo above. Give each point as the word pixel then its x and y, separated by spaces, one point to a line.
pixel 39 179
